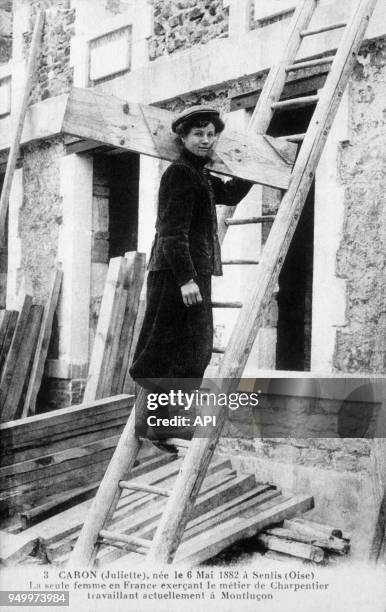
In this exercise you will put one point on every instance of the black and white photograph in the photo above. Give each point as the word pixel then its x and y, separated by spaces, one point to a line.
pixel 193 305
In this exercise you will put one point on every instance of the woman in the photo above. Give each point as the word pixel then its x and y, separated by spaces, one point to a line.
pixel 176 340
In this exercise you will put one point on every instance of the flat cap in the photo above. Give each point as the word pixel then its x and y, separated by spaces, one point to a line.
pixel 199 110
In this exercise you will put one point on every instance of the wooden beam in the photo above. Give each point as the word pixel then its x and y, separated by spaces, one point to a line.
pixel 42 346
pixel 108 330
pixel 19 120
pixel 146 130
pixel 11 408
pixel 14 350
pixel 136 264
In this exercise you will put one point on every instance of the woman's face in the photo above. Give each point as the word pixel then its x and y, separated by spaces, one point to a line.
pixel 200 140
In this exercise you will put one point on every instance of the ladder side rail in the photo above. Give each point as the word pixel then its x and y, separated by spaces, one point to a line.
pixel 176 515
pixel 109 492
pixel 19 121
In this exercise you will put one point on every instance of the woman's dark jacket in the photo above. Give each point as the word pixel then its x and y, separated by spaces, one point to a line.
pixel 186 241
pixel 175 342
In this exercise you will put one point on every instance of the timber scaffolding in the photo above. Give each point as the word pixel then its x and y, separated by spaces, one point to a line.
pixel 205 506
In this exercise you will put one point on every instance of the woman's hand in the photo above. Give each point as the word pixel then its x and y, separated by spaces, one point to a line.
pixel 190 292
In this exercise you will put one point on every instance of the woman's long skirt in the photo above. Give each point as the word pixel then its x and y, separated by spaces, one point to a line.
pixel 175 343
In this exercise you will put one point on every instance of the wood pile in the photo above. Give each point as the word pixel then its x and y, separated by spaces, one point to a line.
pixel 58 457
pixel 114 336
pixel 305 540
pixel 229 507
pixel 24 341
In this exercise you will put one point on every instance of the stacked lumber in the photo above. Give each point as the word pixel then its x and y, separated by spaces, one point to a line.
pixel 24 341
pixel 229 507
pixel 58 457
pixel 113 340
pixel 305 540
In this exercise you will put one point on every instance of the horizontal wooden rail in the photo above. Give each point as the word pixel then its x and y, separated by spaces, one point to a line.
pixel 320 61
pixel 227 305
pixel 249 220
pixel 296 102
pixel 126 539
pixel 327 28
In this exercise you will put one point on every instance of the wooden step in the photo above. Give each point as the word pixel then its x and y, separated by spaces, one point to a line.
pixel 227 305
pixel 248 220
pixel 310 63
pixel 327 28
pixel 218 349
pixel 137 486
pixel 239 262
pixel 121 537
pixel 296 102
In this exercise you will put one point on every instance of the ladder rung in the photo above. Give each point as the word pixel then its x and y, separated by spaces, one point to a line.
pixel 293 137
pixel 218 349
pixel 263 219
pixel 227 305
pixel 137 486
pixel 327 28
pixel 122 537
pixel 244 262
pixel 296 102
pixel 309 63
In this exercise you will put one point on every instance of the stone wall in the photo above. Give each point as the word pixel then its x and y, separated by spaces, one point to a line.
pixel 5 31
pixel 41 214
pixel 360 345
pixel 55 75
pixel 180 24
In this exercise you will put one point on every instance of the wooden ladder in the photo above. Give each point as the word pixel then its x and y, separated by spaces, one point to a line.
pixel 182 498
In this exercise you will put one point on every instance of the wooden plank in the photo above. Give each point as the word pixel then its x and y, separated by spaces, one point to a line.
pixel 15 547
pixel 19 431
pixel 136 273
pixel 42 346
pixel 19 120
pixel 7 331
pixel 208 544
pixel 329 543
pixel 110 310
pixel 50 466
pixel 88 434
pixel 146 130
pixel 249 501
pixel 14 349
pixel 291 547
pixel 11 408
pixel 309 526
pixel 129 385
